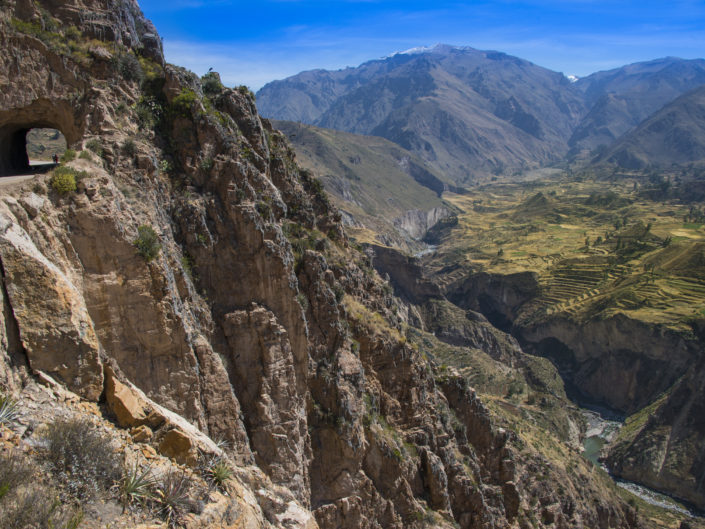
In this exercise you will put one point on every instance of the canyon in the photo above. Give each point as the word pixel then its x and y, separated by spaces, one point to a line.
pixel 184 286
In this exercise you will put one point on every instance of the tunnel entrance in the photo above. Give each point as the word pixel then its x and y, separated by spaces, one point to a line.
pixel 24 135
pixel 29 150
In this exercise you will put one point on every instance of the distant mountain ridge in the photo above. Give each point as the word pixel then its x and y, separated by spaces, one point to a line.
pixel 472 114
pixel 621 98
pixel 466 112
pixel 675 135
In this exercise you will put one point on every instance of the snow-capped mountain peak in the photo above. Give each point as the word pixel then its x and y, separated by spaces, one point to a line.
pixel 436 48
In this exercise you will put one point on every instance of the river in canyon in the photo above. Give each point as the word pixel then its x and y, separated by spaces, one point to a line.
pixel 602 427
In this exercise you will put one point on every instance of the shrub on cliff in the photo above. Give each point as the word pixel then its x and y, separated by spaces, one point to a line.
pixel 26 501
pixel 129 67
pixel 147 242
pixel 95 146
pixel 211 84
pixel 182 104
pixel 69 155
pixel 245 90
pixel 82 456
pixel 63 180
pixel 129 147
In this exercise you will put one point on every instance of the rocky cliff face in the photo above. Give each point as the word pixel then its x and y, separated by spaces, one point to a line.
pixel 198 286
pixel 499 297
pixel 646 371
pixel 618 361
pixel 663 446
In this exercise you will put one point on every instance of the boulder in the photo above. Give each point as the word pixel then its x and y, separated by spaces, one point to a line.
pixel 128 407
pixel 177 445
pixel 173 435
pixel 64 345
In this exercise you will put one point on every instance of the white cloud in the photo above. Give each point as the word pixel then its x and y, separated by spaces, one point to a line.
pixel 255 66
pixel 234 69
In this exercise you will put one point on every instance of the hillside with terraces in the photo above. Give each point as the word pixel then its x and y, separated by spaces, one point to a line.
pixel 586 287
pixel 595 247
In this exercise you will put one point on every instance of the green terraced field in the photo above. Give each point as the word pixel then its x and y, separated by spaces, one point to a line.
pixel 596 245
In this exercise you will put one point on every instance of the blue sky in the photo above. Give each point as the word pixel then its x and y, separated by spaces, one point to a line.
pixel 257 41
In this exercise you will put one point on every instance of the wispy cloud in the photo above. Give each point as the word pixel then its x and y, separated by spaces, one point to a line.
pixel 254 66
pixel 258 41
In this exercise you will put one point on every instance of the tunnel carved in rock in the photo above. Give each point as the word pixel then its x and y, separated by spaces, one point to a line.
pixel 16 123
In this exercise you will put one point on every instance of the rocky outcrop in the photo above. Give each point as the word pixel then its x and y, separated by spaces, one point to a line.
pixel 618 361
pixel 498 297
pixel 175 437
pixel 262 370
pixel 454 326
pixel 405 273
pixel 416 222
pixel 64 344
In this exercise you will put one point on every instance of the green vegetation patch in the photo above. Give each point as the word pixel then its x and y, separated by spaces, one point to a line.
pixel 183 103
pixel 68 156
pixel 61 39
pixel 64 179
pixel 147 242
pixel 636 422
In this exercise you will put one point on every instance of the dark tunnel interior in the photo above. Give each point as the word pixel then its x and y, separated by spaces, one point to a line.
pixel 22 143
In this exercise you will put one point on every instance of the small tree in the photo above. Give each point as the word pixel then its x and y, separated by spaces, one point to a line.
pixel 63 180
pixel 129 67
pixel 147 242
pixel 212 86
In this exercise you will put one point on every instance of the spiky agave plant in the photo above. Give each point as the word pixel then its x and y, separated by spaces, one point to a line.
pixel 220 472
pixel 136 485
pixel 172 497
pixel 215 469
pixel 8 410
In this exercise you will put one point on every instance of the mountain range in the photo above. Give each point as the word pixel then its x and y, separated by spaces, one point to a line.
pixel 472 114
